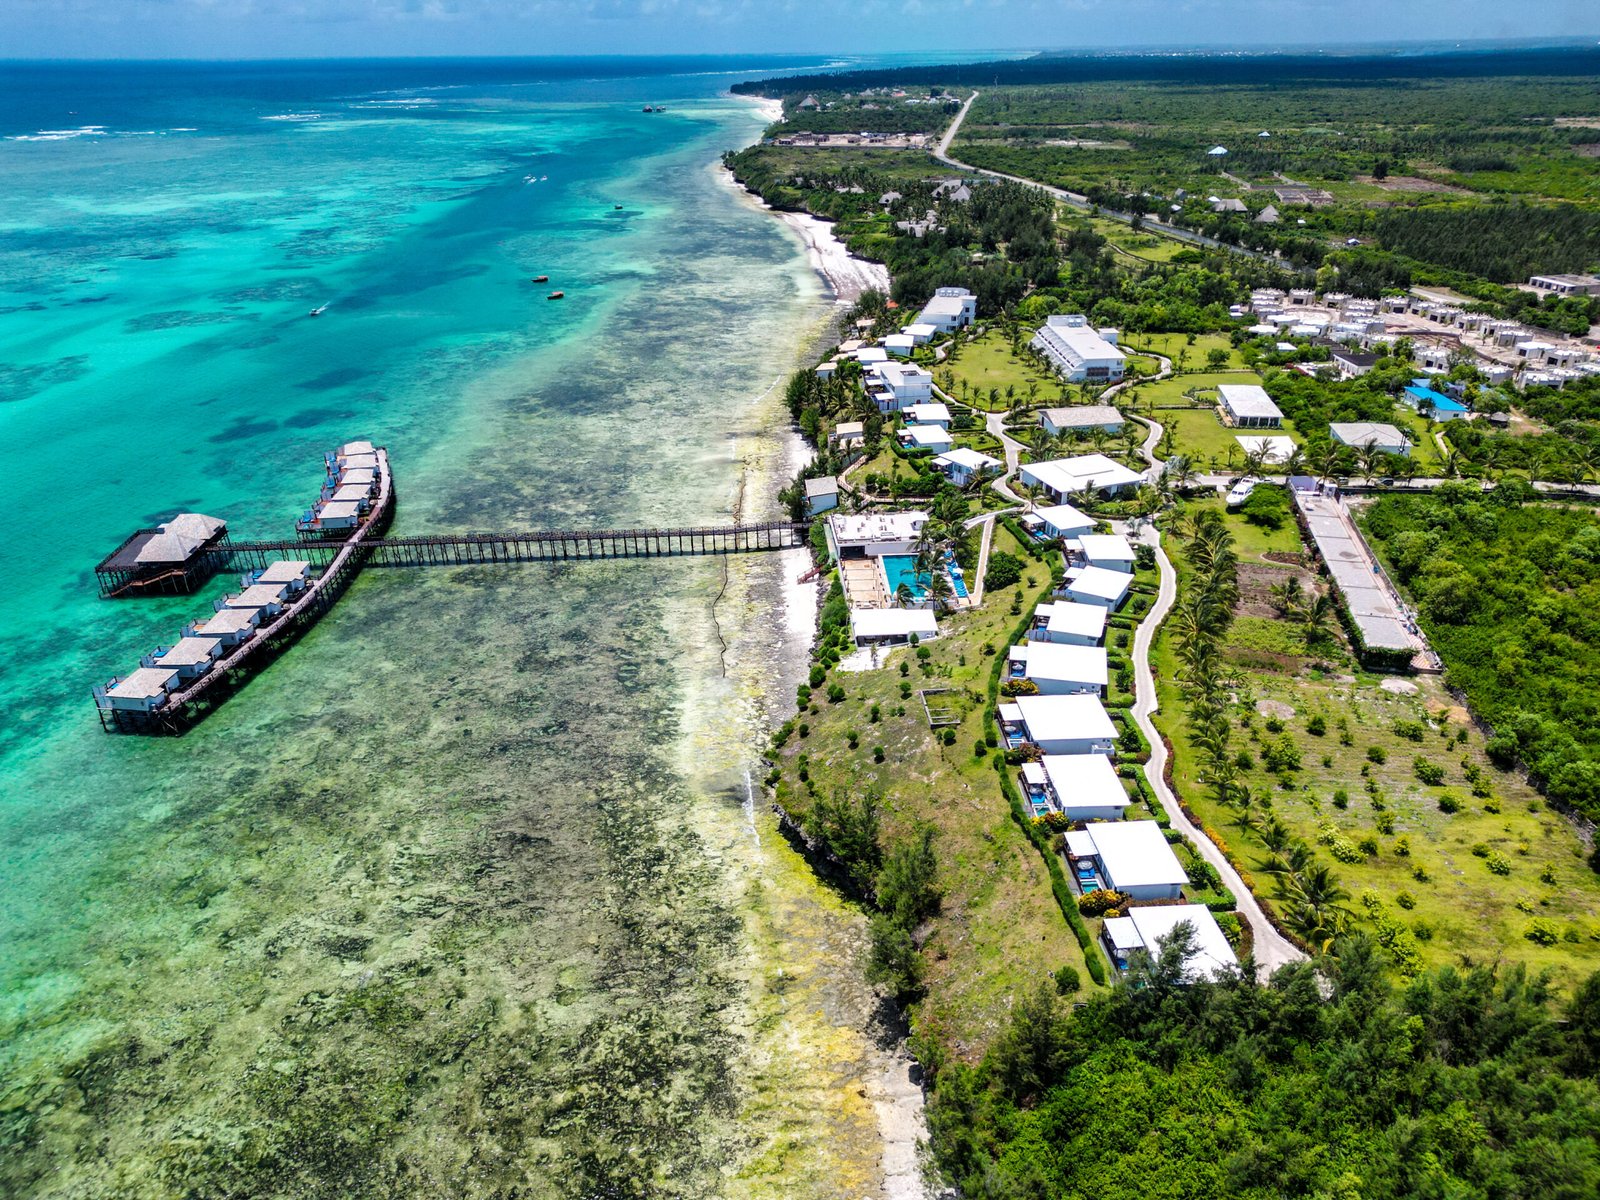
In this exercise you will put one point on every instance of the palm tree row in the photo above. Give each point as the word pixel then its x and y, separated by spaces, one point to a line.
pixel 1309 895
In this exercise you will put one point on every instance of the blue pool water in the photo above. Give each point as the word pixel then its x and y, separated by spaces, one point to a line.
pixel 902 568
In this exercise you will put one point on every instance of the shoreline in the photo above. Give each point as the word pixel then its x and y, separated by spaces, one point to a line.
pixel 893 1089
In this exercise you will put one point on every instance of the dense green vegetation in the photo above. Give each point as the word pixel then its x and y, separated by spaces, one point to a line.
pixel 1324 1083
pixel 1509 594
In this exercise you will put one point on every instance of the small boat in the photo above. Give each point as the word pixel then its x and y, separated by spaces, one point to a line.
pixel 616 208
pixel 318 310
pixel 649 108
pixel 555 295
pixel 541 279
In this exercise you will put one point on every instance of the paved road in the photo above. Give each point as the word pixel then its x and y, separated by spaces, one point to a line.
pixel 1272 949
pixel 1083 203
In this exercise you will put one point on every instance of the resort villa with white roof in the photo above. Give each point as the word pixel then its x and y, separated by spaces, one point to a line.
pixel 1081 787
pixel 1247 406
pixel 892 626
pixel 962 465
pixel 930 413
pixel 1068 624
pixel 1081 418
pixel 950 309
pixel 1145 928
pixel 1384 438
pixel 1079 475
pixel 1131 857
pixel 873 534
pixel 1078 351
pixel 1096 585
pixel 1059 521
pixel 1059 668
pixel 1109 550
pixel 1059 724
pixel 896 386
pixel 926 437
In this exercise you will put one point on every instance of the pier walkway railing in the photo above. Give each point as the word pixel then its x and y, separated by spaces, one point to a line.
pixel 550 546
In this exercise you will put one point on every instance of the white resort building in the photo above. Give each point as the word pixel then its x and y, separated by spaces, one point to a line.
pixel 950 309
pixel 1084 474
pixel 1078 351
pixel 1131 857
pixel 1058 521
pixel 1145 927
pixel 1247 406
pixel 1096 585
pixel 896 386
pixel 1081 787
pixel 1082 418
pixel 1068 624
pixel 873 534
pixel 962 465
pixel 1058 724
pixel 1059 668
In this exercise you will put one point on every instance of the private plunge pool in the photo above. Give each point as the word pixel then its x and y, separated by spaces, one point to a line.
pixel 902 568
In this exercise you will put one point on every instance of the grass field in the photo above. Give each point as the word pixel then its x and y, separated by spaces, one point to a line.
pixel 1198 432
pixel 1392 823
pixel 1176 345
pixel 987 363
pixel 1000 930
pixel 1138 244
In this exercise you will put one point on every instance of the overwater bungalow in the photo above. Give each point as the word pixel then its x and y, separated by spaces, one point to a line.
pixel 190 657
pixel 268 597
pixel 230 626
pixel 138 691
pixel 292 574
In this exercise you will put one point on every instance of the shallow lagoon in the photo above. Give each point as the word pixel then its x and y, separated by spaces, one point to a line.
pixel 464 895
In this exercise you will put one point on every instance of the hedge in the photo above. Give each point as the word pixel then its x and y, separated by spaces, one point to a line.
pixel 1058 881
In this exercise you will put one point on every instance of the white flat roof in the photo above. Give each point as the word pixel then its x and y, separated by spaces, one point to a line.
pixel 144 683
pixel 333 510
pixel 361 462
pixel 934 411
pixel 1085 781
pixel 893 622
pixel 822 485
pixel 1359 433
pixel 1124 934
pixel 360 447
pixel 1080 843
pixel 1135 854
pixel 964 456
pixel 1063 718
pixel 1099 581
pixel 1083 416
pixel 189 651
pixel 1065 518
pixel 859 528
pixel 1212 955
pixel 926 436
pixel 1248 400
pixel 258 596
pixel 1068 475
pixel 352 493
pixel 285 570
pixel 1071 664
pixel 1075 620
pixel 1106 547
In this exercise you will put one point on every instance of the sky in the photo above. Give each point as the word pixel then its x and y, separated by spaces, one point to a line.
pixel 355 28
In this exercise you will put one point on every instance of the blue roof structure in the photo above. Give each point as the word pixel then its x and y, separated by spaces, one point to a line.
pixel 1439 401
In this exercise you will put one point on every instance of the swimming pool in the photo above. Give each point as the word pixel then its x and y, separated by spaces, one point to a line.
pixel 902 568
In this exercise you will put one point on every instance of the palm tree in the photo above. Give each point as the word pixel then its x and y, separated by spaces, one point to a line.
pixel 1370 460
pixel 904 596
pixel 1295 464
pixel 1255 461
pixel 1314 907
pixel 1288 595
pixel 1276 837
pixel 1328 463
pixel 1315 616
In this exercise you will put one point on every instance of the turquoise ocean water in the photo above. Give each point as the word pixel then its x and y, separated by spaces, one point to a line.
pixel 463 896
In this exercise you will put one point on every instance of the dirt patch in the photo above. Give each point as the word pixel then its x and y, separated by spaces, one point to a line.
pixel 1256 581
pixel 1449 714
pixel 1411 183
pixel 1275 708
pixel 1290 558
pixel 1587 149
pixel 1400 687
pixel 1577 122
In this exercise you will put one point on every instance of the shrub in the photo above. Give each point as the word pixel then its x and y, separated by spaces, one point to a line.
pixel 1317 725
pixel 1422 930
pixel 905 668
pixel 1067 981
pixel 1377 754
pixel 1480 850
pixel 1004 570
pixel 1341 799
pixel 1412 731
pixel 854 737
pixel 949 737
pixel 1542 932
pixel 1385 824
pixel 1245 761
pixel 1100 901
pixel 805 729
pixel 1281 755
pixel 818 675
pixel 877 754
pixel 905 689
pixel 1406 900
pixel 1430 772
pixel 875 715
pixel 1449 804
pixel 1548 875
pixel 835 693
pixel 1275 725
pixel 1420 874
pixel 1498 864
pixel 1402 847
pixel 1368 845
pixel 1342 850
pixel 980 748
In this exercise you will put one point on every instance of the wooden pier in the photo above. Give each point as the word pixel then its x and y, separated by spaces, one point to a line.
pixel 572 545
pixel 339 559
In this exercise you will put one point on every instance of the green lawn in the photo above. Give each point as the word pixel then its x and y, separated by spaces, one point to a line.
pixel 1199 432
pixel 1462 909
pixel 1000 930
pixel 985 363
pixel 1141 244
pixel 1171 345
